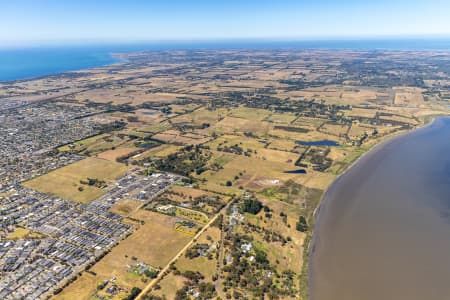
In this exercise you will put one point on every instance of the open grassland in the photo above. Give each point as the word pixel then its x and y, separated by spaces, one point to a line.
pixel 234 125
pixel 250 113
pixel 97 144
pixel 179 138
pixel 362 112
pixel 201 116
pixel 252 172
pixel 156 234
pixel 183 192
pixel 113 155
pixel 357 130
pixel 305 136
pixel 408 96
pixel 159 151
pixel 125 207
pixel 239 140
pixel 154 128
pixel 207 266
pixel 282 118
pixel 169 286
pixel 65 182
pixel 24 233
pixel 335 129
pixel 188 195
pixel 191 215
pixel 282 144
pixel 84 144
pixel 83 288
pixel 154 243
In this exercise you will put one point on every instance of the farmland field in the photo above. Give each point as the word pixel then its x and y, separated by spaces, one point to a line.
pixel 65 182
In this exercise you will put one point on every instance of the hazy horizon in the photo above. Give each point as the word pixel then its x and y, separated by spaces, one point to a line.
pixel 49 22
pixel 224 41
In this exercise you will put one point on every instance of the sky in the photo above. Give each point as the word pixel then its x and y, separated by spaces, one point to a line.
pixel 55 21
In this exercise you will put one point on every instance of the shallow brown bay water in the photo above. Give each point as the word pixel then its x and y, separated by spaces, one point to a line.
pixel 383 229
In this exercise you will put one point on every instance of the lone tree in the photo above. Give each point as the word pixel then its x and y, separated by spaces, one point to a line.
pixel 302 225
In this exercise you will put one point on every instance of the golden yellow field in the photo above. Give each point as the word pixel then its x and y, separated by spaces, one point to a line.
pixel 65 182
pixel 81 289
pixel 113 155
pixel 234 125
pixel 154 243
pixel 125 207
pixel 169 285
pixel 157 233
pixel 24 233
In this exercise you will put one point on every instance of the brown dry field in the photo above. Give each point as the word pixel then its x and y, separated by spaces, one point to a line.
pixel 125 207
pixel 357 130
pixel 170 284
pixel 207 267
pixel 282 144
pixel 232 124
pixel 157 233
pixel 112 155
pixel 252 167
pixel 400 119
pixel 408 96
pixel 65 182
pixel 175 138
pixel 186 192
pixel 333 129
pixel 81 289
pixel 308 136
pixel 362 112
pixel 154 243
pixel 159 151
pixel 230 140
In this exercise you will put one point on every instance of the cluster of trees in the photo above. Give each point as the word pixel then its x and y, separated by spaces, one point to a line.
pixel 319 159
pixel 251 276
pixel 206 290
pixel 236 149
pixel 151 273
pixel 252 206
pixel 196 250
pixel 132 119
pixel 187 160
pixel 302 225
pixel 270 236
pixel 212 201
pixel 135 291
pixel 116 125
pixel 94 182
pixel 166 110
pixel 291 128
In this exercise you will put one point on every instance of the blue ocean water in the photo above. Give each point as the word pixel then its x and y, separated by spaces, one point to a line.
pixel 16 64
pixel 35 62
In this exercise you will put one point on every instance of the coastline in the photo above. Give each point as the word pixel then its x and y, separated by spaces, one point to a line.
pixel 311 237
pixel 108 59
pixel 438 45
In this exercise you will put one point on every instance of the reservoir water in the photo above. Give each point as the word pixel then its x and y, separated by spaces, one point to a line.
pixel 383 229
pixel 319 143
